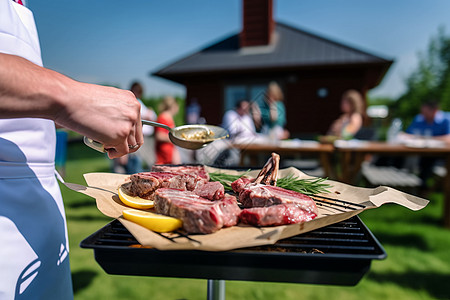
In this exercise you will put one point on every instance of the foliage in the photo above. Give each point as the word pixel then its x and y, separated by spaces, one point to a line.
pixel 430 80
pixel 153 103
pixel 309 186
pixel 380 101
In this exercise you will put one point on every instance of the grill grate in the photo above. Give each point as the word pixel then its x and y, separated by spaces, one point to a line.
pixel 337 254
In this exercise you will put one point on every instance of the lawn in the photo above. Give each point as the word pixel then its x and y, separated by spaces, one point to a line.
pixel 417 266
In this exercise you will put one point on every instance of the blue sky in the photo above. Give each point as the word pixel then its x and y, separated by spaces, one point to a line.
pixel 116 42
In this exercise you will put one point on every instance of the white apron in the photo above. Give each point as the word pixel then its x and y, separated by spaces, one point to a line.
pixel 34 261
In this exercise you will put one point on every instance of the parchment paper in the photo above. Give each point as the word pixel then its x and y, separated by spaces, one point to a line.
pixel 103 187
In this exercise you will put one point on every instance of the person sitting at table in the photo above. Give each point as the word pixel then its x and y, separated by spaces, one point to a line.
pixel 431 123
pixel 273 113
pixel 241 128
pixel 239 122
pixel 351 120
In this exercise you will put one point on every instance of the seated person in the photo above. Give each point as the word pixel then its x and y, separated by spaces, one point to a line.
pixel 238 121
pixel 273 113
pixel 431 123
pixel 351 120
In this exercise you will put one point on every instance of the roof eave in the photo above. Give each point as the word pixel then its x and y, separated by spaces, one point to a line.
pixel 181 76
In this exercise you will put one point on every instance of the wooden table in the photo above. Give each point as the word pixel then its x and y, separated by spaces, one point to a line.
pixel 352 157
pixel 252 151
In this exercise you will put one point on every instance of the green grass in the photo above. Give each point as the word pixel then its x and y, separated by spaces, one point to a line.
pixel 417 266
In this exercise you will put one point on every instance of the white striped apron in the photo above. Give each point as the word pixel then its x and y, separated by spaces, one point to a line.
pixel 34 262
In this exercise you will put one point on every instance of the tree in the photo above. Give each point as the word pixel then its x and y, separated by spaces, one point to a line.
pixel 430 81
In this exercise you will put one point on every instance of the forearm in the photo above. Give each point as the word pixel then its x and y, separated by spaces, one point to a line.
pixel 444 138
pixel 28 90
pixel 162 137
pixel 108 115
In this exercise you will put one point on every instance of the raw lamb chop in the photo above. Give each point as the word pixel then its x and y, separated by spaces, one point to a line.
pixel 199 215
pixel 267 176
pixel 144 184
pixel 266 195
pixel 275 215
pixel 267 204
pixel 192 170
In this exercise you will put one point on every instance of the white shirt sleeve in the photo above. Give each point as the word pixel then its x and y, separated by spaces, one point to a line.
pixel 147 114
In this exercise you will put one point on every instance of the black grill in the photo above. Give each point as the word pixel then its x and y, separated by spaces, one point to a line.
pixel 337 254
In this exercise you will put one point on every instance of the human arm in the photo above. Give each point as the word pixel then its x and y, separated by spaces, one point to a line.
pixel 256 115
pixel 105 114
pixel 281 114
pixel 353 126
pixel 336 127
pixel 229 122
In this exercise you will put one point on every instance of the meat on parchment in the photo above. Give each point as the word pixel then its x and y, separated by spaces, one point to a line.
pixel 266 195
pixel 198 214
pixel 199 170
pixel 282 214
pixel 268 205
pixel 146 183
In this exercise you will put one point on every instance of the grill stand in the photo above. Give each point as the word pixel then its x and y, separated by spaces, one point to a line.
pixel 216 289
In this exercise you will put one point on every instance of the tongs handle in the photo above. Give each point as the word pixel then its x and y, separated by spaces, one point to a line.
pixel 151 123
pixel 94 144
pixel 101 148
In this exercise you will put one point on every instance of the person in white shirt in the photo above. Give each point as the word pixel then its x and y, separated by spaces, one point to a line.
pixel 239 123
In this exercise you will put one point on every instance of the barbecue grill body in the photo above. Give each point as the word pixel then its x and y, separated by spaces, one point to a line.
pixel 348 249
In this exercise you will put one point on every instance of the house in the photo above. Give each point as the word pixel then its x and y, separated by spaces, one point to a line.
pixel 312 71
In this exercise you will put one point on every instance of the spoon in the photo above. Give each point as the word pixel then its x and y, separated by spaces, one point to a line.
pixel 192 137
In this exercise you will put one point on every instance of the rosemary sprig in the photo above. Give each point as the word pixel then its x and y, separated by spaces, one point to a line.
pixel 225 179
pixel 310 186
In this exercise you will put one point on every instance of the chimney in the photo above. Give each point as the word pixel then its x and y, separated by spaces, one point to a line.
pixel 257 23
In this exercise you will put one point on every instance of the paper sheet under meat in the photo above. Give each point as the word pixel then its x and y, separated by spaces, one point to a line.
pixel 103 187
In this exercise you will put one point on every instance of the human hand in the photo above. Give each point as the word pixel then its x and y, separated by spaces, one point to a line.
pixel 108 115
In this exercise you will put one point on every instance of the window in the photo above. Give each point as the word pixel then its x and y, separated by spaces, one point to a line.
pixel 251 92
pixel 234 93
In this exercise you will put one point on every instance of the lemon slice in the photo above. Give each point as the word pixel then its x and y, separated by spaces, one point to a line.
pixel 154 222
pixel 133 201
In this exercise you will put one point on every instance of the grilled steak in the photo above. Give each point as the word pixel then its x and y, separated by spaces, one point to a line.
pixel 199 215
pixel 192 170
pixel 275 215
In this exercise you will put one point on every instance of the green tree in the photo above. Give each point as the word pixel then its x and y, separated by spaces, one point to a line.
pixel 430 80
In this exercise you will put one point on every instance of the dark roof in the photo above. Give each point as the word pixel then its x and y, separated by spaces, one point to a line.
pixel 292 48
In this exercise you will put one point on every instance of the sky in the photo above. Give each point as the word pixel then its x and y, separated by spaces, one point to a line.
pixel 116 42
